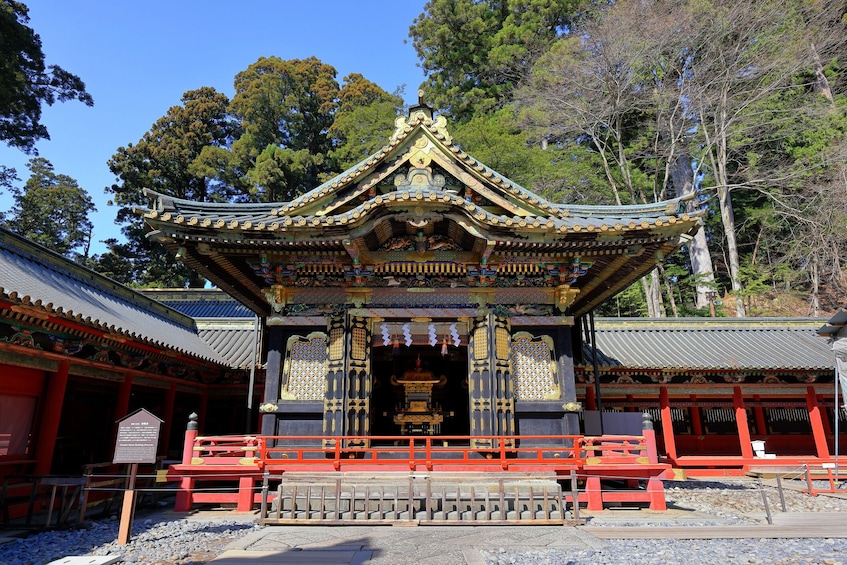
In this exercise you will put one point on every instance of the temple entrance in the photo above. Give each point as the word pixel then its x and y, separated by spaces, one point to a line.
pixel 419 391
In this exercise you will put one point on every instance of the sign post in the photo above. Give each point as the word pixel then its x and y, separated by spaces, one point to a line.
pixel 137 442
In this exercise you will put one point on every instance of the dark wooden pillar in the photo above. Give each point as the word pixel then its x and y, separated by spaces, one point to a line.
pixel 202 409
pixel 567 380
pixel 336 379
pixel 273 371
pixel 124 393
pixel 358 386
pixel 57 384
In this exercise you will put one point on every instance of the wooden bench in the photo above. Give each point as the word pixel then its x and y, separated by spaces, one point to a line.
pixel 24 496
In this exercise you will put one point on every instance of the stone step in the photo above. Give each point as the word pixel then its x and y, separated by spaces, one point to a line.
pixel 403 498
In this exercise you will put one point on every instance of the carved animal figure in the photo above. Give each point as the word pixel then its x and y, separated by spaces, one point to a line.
pixel 401 243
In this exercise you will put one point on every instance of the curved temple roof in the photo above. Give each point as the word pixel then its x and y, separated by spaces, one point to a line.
pixel 713 344
pixel 37 282
pixel 421 199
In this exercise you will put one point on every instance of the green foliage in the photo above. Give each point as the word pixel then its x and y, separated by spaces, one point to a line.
pixel 52 210
pixel 564 172
pixel 475 52
pixel 116 263
pixel 279 172
pixel 629 102
pixel 736 89
pixel 629 303
pixel 26 82
pixel 288 105
pixel 167 159
pixel 288 127
pixel 8 176
pixel 363 122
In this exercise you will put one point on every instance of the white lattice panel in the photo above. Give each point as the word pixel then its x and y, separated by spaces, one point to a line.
pixel 531 363
pixel 307 369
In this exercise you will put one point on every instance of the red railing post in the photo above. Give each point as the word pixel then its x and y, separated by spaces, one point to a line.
pixel 186 483
pixel 337 462
pixel 649 437
pixel 190 436
pixel 262 447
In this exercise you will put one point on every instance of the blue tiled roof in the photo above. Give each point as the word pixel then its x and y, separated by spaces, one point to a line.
pixel 200 302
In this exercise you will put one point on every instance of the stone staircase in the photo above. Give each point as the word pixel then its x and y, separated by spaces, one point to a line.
pixel 418 498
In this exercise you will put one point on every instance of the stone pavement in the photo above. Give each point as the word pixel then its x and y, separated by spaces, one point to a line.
pixel 462 545
pixel 397 545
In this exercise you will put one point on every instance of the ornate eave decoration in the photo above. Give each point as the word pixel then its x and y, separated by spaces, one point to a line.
pixel 420 215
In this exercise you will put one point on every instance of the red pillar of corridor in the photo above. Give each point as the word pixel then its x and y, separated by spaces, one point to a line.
pixel 54 398
pixel 667 424
pixel 168 417
pixel 741 422
pixel 122 404
pixel 818 431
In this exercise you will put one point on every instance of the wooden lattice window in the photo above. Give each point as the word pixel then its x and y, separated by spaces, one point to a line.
pixel 306 367
pixel 336 344
pixel 480 343
pixel 534 368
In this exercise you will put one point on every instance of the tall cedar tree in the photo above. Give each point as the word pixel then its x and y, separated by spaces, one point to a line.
pixel 276 138
pixel 26 82
pixel 475 52
pixel 165 160
pixel 52 210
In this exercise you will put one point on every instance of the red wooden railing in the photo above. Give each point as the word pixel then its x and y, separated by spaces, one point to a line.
pixel 250 459
pixel 404 453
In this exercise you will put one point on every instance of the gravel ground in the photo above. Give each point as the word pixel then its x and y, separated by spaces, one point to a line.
pixel 157 538
pixel 727 502
pixel 166 538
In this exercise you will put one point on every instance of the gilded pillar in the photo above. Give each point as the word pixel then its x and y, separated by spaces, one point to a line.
pixel 336 389
pixel 490 387
pixel 359 386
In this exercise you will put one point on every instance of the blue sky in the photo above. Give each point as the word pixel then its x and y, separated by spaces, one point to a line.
pixel 138 58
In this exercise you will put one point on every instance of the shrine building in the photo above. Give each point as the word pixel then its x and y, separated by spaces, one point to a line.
pixel 420 292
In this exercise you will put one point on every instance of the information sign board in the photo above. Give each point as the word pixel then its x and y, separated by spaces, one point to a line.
pixel 138 438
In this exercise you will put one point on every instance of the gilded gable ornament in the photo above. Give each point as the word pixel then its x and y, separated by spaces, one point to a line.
pixel 278 297
pixel 565 296
pixel 419 177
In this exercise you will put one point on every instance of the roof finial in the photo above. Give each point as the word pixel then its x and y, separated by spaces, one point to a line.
pixel 420 97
